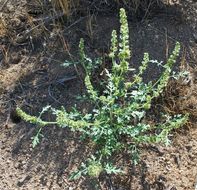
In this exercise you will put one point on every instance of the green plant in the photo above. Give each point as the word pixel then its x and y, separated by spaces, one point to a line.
pixel 118 120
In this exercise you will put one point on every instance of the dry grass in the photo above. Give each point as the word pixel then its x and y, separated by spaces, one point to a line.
pixel 132 5
pixel 136 5
pixel 181 95
pixel 3 28
pixel 65 5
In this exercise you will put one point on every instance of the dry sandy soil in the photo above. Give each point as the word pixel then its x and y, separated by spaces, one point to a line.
pixel 31 76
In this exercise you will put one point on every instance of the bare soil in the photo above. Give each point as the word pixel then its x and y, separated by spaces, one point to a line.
pixel 32 49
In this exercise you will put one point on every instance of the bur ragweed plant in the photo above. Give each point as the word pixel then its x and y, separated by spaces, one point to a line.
pixel 118 120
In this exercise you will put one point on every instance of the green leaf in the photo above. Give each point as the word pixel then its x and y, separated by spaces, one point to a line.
pixel 110 169
pixel 69 63
pixel 36 139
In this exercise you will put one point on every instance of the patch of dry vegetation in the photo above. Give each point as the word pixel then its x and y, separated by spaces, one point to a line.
pixel 181 95
pixel 3 28
pixel 132 5
pixel 65 5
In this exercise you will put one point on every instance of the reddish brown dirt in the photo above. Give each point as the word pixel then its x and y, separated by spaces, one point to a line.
pixel 30 74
